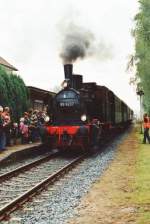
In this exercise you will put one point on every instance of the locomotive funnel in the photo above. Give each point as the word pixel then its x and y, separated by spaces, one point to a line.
pixel 68 71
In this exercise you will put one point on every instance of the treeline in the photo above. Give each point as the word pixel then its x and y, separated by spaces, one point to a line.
pixel 142 55
pixel 13 93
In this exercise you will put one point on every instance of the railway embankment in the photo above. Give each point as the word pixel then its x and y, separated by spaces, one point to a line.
pixel 122 194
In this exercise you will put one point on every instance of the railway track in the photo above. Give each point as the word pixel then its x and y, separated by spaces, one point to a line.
pixel 28 166
pixel 19 185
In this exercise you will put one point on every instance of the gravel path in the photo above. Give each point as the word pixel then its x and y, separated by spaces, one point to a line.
pixel 56 206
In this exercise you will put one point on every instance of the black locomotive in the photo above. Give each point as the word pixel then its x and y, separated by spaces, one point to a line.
pixel 82 114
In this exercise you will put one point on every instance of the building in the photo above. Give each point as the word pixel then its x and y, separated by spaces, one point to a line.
pixel 7 66
pixel 39 98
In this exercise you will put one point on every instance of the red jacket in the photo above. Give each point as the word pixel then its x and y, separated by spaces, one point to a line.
pixel 146 122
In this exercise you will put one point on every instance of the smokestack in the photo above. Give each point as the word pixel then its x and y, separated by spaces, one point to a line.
pixel 68 71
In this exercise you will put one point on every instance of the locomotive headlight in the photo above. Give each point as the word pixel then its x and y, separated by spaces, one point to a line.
pixel 47 118
pixel 83 117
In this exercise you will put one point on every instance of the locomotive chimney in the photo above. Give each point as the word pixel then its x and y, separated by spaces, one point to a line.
pixel 68 71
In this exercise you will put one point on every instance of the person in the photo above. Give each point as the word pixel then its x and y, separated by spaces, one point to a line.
pixel 14 133
pixel 7 124
pixel 24 128
pixel 33 126
pixel 2 132
pixel 41 125
pixel 95 131
pixel 146 122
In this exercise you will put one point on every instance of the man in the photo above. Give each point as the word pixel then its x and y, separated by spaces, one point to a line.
pixel 146 122
pixel 95 132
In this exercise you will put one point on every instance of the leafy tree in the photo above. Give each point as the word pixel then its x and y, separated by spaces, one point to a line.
pixel 142 47
pixel 13 93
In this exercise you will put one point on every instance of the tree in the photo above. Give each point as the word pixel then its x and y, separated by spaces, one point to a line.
pixel 13 93
pixel 142 47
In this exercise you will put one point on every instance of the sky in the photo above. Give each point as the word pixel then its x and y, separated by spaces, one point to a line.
pixel 32 34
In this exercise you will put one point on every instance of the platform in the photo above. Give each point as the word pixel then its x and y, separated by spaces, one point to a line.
pixel 11 152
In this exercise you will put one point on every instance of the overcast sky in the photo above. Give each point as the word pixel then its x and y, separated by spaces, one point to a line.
pixel 32 32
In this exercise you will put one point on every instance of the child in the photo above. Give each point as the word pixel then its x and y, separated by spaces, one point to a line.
pixel 24 131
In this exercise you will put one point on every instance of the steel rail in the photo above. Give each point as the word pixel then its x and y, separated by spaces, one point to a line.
pixel 16 171
pixel 10 207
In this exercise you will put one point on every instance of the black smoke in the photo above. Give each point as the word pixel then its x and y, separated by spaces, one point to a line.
pixel 76 44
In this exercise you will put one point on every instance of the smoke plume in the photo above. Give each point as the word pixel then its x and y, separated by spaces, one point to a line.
pixel 76 43
pixel 79 42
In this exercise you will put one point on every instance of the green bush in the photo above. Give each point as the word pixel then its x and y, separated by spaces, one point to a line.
pixel 13 93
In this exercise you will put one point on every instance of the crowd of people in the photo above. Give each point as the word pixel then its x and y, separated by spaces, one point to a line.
pixel 28 129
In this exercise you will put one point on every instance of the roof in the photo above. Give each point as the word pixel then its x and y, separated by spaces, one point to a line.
pixel 40 90
pixel 6 64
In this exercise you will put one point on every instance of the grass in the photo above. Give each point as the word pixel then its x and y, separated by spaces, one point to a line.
pixel 141 195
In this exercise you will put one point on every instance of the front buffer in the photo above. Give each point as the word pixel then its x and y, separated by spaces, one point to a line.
pixel 68 137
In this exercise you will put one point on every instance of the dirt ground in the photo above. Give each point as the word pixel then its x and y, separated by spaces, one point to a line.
pixel 110 198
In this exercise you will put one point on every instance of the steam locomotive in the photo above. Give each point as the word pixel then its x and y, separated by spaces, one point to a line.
pixel 83 114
